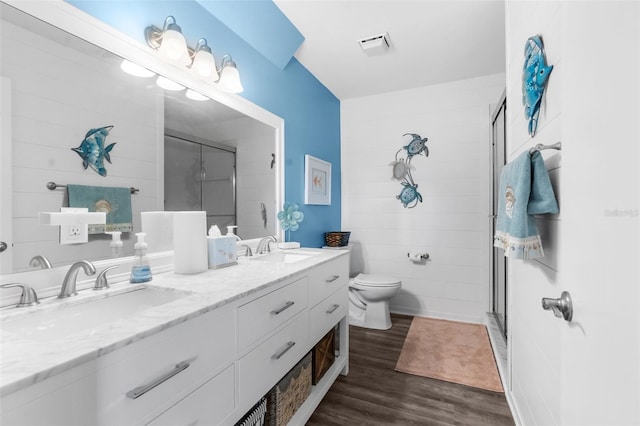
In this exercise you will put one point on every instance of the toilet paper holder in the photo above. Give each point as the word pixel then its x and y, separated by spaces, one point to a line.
pixel 418 256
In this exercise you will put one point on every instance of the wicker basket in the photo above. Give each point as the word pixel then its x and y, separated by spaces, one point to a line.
pixel 336 239
pixel 284 399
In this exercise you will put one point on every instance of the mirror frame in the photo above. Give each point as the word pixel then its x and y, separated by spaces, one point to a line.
pixel 80 24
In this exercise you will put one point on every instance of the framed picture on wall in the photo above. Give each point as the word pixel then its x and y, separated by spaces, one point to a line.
pixel 317 181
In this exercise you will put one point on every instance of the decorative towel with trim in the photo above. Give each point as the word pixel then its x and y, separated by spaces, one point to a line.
pixel 525 190
pixel 115 202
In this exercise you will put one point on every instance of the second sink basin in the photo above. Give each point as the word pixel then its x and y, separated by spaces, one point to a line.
pixel 285 256
pixel 84 316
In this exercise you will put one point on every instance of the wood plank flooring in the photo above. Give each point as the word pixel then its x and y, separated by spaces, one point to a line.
pixel 373 393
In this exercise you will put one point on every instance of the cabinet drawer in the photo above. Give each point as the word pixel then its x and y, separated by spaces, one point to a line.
pixel 208 405
pixel 193 352
pixel 326 278
pixel 327 313
pixel 263 367
pixel 262 315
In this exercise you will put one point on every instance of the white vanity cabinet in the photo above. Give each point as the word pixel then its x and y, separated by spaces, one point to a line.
pixel 134 384
pixel 209 369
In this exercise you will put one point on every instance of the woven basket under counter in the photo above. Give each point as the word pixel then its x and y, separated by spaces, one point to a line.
pixel 336 239
pixel 284 399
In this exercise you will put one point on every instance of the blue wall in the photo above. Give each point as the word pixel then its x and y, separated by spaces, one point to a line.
pixel 311 112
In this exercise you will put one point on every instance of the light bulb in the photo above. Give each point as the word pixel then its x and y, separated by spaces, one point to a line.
pixel 196 96
pixel 204 65
pixel 167 84
pixel 174 46
pixel 135 69
pixel 230 79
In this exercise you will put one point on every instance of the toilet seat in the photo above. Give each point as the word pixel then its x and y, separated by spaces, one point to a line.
pixel 370 280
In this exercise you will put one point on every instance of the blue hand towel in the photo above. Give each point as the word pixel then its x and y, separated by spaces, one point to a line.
pixel 116 202
pixel 525 190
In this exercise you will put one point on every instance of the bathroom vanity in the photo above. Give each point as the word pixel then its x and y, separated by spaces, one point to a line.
pixel 205 353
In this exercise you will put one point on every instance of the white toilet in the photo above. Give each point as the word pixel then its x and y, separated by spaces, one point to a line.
pixel 369 300
pixel 368 294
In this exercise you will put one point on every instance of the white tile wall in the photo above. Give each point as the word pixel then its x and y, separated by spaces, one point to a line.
pixel 451 224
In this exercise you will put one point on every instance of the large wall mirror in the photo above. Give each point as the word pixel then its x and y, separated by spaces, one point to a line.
pixel 57 84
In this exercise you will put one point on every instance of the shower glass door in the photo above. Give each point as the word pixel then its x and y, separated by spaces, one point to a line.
pixel 200 176
pixel 499 270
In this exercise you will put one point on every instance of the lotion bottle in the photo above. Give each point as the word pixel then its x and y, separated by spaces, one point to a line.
pixel 141 271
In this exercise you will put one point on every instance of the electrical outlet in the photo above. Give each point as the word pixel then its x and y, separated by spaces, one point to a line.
pixel 74 234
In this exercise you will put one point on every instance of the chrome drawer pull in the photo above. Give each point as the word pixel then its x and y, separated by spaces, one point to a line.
pixel 141 390
pixel 284 351
pixel 284 308
pixel 332 279
pixel 332 309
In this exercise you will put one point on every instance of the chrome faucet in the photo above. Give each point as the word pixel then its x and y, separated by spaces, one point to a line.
pixel 69 282
pixel 28 296
pixel 263 245
pixel 40 261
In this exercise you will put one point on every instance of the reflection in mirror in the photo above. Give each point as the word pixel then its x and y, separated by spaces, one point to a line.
pixel 60 87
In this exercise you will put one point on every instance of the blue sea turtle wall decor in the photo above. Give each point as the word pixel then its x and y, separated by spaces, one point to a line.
pixel 535 74
pixel 92 149
pixel 409 196
pixel 416 146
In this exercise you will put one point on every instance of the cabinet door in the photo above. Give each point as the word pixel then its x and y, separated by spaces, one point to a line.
pixel 208 405
pixel 66 399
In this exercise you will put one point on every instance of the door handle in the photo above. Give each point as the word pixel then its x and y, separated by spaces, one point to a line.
pixel 3 246
pixel 562 307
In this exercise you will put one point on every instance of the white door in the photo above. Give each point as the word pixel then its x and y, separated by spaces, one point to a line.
pixel 600 236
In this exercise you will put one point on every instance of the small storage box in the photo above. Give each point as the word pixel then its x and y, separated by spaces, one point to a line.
pixel 284 399
pixel 323 356
pixel 255 416
pixel 336 239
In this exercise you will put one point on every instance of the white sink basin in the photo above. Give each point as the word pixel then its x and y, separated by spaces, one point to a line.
pixel 285 257
pixel 51 323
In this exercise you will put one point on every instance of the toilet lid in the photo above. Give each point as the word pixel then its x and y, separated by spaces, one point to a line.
pixel 376 280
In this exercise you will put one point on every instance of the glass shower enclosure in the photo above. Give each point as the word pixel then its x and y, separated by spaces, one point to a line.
pixel 200 175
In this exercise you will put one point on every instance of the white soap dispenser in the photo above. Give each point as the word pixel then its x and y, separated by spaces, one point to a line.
pixel 116 243
pixel 141 271
pixel 231 232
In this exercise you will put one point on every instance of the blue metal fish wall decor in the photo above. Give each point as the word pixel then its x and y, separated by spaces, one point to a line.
pixel 535 74
pixel 92 149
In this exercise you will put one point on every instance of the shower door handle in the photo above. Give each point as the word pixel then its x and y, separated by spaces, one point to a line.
pixel 562 307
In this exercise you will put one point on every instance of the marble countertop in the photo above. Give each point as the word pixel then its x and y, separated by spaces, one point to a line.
pixel 25 361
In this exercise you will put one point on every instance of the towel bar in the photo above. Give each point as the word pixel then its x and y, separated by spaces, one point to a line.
pixel 52 186
pixel 540 147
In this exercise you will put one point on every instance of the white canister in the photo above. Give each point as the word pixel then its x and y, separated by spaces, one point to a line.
pixel 190 242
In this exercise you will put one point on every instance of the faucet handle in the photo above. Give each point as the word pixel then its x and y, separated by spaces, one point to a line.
pixel 248 252
pixel 28 296
pixel 101 280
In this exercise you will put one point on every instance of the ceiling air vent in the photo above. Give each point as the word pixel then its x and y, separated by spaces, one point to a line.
pixel 375 45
